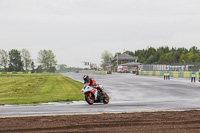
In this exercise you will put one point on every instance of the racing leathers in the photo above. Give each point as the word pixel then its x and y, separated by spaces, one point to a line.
pixel 91 82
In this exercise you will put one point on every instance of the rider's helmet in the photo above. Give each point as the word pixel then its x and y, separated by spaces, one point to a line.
pixel 86 78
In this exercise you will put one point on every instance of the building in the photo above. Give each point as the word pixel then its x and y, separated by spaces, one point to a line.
pixel 126 60
pixel 121 60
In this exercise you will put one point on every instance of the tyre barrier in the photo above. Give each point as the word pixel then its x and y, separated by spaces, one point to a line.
pixel 168 74
pixel 13 73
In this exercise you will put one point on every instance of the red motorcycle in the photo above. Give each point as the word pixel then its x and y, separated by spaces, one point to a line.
pixel 95 94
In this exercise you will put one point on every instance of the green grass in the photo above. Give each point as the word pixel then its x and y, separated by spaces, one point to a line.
pixel 38 88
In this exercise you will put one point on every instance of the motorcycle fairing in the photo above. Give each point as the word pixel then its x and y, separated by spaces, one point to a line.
pixel 94 91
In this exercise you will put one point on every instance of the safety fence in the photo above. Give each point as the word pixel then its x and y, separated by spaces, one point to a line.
pixel 171 73
pixel 10 73
pixel 172 67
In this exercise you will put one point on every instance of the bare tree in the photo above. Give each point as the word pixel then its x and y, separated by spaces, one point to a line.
pixel 3 58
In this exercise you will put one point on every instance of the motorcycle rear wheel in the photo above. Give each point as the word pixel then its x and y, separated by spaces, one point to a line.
pixel 106 98
pixel 89 98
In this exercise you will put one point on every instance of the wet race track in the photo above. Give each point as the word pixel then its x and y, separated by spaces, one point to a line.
pixel 128 92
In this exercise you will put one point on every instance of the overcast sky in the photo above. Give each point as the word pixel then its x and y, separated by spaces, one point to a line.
pixel 80 30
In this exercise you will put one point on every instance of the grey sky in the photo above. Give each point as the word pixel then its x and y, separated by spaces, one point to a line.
pixel 80 30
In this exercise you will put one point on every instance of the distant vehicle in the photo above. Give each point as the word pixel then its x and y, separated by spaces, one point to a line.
pixel 119 69
pixel 122 69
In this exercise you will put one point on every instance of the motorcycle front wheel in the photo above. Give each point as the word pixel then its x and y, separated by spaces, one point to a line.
pixel 106 98
pixel 89 98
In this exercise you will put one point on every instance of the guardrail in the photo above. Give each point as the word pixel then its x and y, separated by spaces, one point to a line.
pixel 87 71
pixel 93 72
pixel 100 72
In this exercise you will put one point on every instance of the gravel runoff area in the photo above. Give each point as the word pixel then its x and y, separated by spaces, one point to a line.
pixel 143 122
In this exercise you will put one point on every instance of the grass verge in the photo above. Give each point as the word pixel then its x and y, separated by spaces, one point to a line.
pixel 38 88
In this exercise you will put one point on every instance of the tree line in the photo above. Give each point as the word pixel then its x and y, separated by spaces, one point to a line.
pixel 161 55
pixel 20 61
pixel 166 55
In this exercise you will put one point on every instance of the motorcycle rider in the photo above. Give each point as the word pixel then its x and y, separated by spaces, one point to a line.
pixel 89 81
pixel 100 95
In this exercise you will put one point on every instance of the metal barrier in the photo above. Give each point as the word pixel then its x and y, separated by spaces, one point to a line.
pixel 172 67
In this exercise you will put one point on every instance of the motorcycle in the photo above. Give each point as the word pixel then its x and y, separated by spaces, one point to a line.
pixel 95 94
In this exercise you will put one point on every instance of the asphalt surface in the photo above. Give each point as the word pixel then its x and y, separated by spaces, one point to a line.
pixel 128 92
